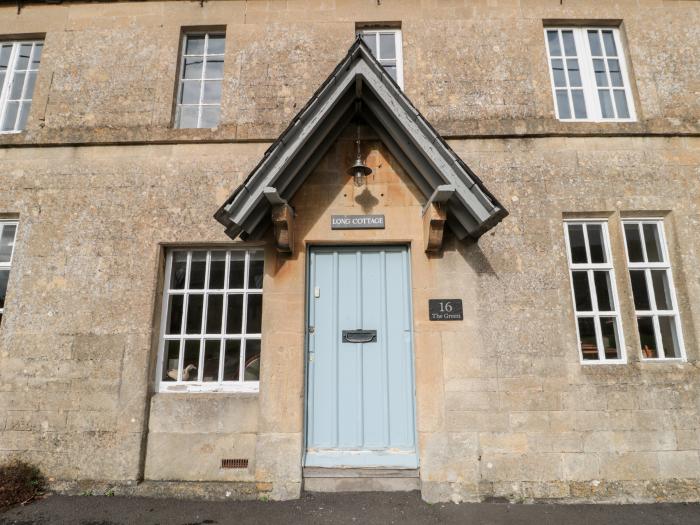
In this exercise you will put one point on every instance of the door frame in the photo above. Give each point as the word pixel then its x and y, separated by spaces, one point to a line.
pixel 307 285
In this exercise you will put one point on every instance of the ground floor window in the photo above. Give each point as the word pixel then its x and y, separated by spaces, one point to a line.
pixel 655 303
pixel 594 293
pixel 211 322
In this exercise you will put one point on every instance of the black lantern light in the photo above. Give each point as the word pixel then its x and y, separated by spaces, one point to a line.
pixel 359 170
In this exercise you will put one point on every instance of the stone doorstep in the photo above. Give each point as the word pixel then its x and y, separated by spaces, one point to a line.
pixel 317 479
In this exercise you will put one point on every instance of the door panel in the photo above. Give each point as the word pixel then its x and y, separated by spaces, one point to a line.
pixel 360 396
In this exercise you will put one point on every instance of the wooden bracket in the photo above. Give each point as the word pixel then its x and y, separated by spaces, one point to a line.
pixel 434 217
pixel 282 220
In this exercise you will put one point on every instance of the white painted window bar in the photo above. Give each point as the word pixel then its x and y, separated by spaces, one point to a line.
pixel 386 46
pixel 655 303
pixel 588 74
pixel 8 232
pixel 211 321
pixel 19 66
pixel 201 76
pixel 596 305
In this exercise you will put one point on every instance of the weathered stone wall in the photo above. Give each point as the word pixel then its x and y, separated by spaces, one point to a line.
pixel 504 407
pixel 473 67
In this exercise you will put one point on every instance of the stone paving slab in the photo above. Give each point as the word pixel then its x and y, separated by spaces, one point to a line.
pixel 357 508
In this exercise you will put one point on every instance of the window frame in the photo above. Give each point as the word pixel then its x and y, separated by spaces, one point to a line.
pixel 198 386
pixel 595 313
pixel 588 83
pixel 181 80
pixel 398 45
pixel 7 84
pixel 654 313
pixel 8 265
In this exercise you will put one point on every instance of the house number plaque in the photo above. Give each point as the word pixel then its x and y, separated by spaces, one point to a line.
pixel 357 222
pixel 445 309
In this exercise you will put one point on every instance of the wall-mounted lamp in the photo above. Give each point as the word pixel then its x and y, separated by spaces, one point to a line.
pixel 359 170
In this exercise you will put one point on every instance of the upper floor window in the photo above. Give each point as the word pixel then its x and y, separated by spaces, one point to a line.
pixel 212 315
pixel 385 45
pixel 8 230
pixel 200 78
pixel 594 293
pixel 19 65
pixel 589 75
pixel 654 296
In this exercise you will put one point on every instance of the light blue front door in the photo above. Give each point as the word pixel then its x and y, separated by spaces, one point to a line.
pixel 360 386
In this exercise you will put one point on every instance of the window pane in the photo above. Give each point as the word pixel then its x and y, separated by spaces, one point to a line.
pixel 214 68
pixel 569 45
pixel 621 104
pixel 193 67
pixel 198 270
pixel 210 370
pixel 232 359
pixel 194 45
pixel 36 55
pixel 601 78
pixel 596 243
pixel 603 290
pixel 190 363
pixel 645 325
pixel 594 40
pixel 178 271
pixel 23 114
pixel 236 269
pixel 8 123
pixel 558 72
pixel 553 42
pixel 212 92
pixel 215 311
pixel 387 45
pixel 609 43
pixel 193 325
pixel 606 108
pixel 25 51
pixel 7 242
pixel 5 52
pixel 577 243
pixel 371 40
pixel 662 292
pixel 254 315
pixel 639 290
pixel 187 117
pixel 190 91
pixel 586 333
pixel 392 71
pixel 4 277
pixel 174 319
pixel 579 103
pixel 29 85
pixel 234 314
pixel 652 242
pixel 217 270
pixel 582 292
pixel 255 272
pixel 615 73
pixel 210 116
pixel 563 104
pixel 252 360
pixel 217 44
pixel 574 73
pixel 170 360
pixel 669 337
pixel 608 327
pixel 634 243
pixel 17 86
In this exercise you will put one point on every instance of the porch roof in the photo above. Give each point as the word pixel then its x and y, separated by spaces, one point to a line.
pixel 426 157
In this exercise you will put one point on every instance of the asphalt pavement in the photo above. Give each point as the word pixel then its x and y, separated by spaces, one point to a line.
pixel 353 508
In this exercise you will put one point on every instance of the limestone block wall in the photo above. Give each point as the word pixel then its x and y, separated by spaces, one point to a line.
pixel 473 67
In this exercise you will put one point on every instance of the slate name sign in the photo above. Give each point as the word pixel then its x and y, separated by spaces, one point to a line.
pixel 357 222
pixel 445 309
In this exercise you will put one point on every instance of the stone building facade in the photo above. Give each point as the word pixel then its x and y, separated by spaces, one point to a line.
pixel 107 203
